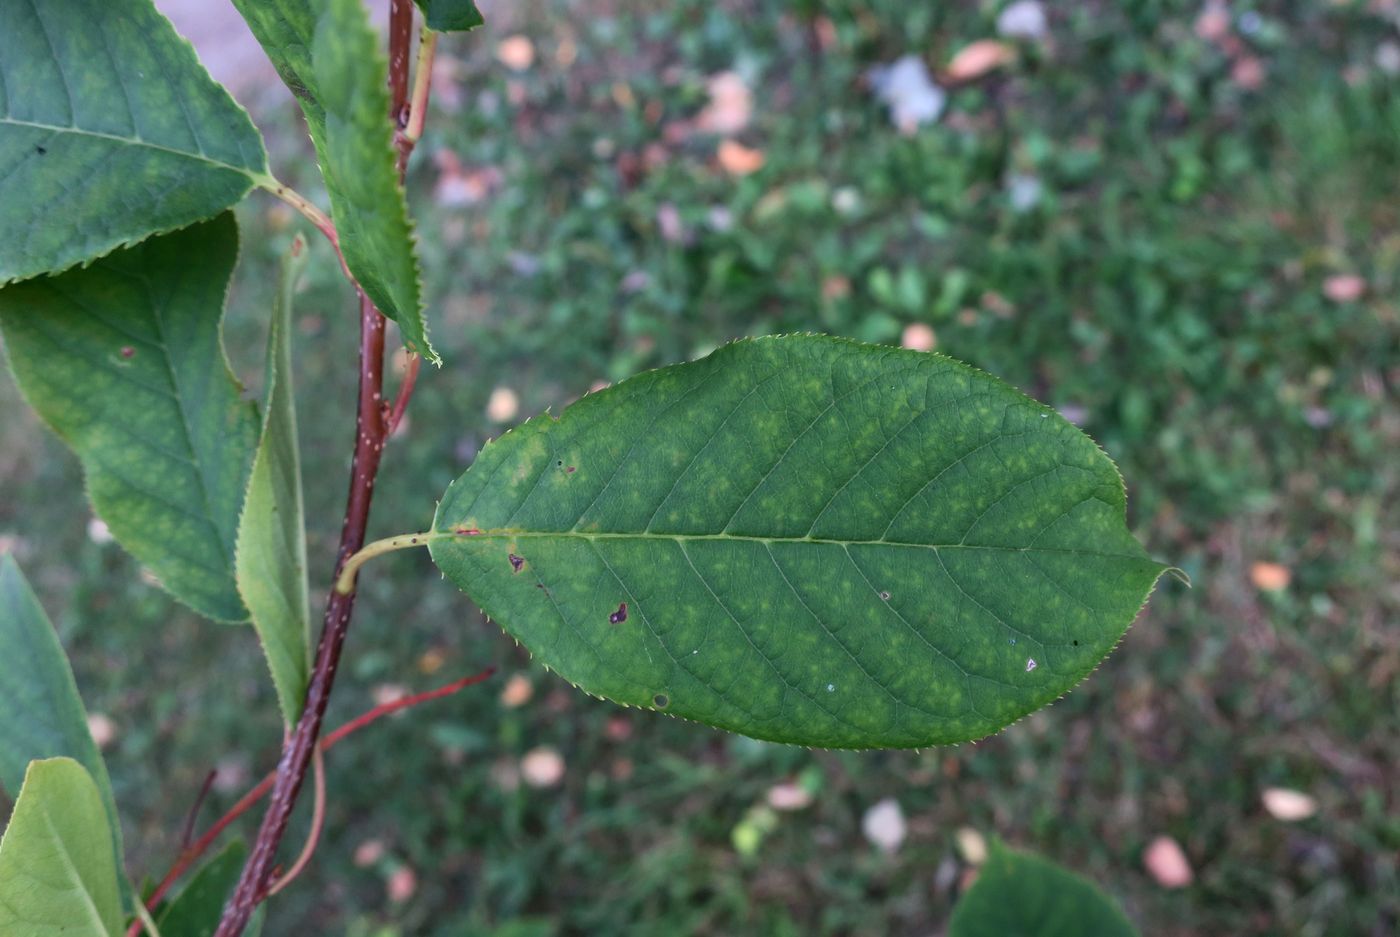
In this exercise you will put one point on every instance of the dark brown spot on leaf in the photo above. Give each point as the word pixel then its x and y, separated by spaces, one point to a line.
pixel 619 616
pixel 128 351
pixel 467 532
pixel 571 470
pixel 516 562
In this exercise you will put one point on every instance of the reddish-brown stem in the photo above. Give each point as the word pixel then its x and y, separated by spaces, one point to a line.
pixel 318 821
pixel 400 43
pixel 191 852
pixel 371 423
pixel 296 754
pixel 406 385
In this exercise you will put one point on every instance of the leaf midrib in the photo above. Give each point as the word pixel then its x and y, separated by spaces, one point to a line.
pixel 202 157
pixel 513 534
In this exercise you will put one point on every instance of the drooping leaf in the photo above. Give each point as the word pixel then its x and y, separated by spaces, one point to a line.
pixel 328 54
pixel 195 911
pixel 1020 895
pixel 57 875
pixel 450 15
pixel 110 131
pixel 807 540
pixel 124 361
pixel 41 714
pixel 271 551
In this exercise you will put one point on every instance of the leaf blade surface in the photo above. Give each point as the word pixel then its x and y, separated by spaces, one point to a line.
pixel 328 54
pixel 195 911
pixel 57 874
pixel 806 540
pixel 110 131
pixel 270 554
pixel 124 361
pixel 41 713
pixel 1020 893
pixel 450 15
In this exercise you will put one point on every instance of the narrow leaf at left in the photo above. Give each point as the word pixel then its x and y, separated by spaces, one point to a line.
pixel 125 362
pixel 57 875
pixel 41 714
pixel 271 551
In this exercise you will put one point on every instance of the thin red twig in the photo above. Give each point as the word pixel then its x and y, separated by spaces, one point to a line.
pixel 193 815
pixel 191 853
pixel 406 385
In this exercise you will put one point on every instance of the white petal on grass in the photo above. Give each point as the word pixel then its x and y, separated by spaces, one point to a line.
pixel 908 91
pixel 884 825
pixel 1287 804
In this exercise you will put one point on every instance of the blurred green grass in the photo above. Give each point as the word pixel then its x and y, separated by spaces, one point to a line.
pixel 1166 289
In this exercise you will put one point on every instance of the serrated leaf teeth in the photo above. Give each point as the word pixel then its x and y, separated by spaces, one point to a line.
pixel 850 531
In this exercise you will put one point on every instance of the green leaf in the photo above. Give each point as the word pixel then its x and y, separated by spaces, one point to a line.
pixel 450 15
pixel 806 540
pixel 57 875
pixel 110 131
pixel 195 911
pixel 271 552
pixel 41 713
pixel 328 54
pixel 1020 895
pixel 124 360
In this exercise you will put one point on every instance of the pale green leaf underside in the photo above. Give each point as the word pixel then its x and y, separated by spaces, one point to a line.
pixel 57 875
pixel 818 542
pixel 328 54
pixel 270 559
pixel 110 131
pixel 124 360
pixel 41 713
pixel 1020 895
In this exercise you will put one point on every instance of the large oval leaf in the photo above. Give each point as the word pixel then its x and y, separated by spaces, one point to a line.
pixel 125 361
pixel 110 130
pixel 807 540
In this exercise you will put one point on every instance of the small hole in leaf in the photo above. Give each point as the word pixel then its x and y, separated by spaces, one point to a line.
pixel 661 700
pixel 1076 644
pixel 885 596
